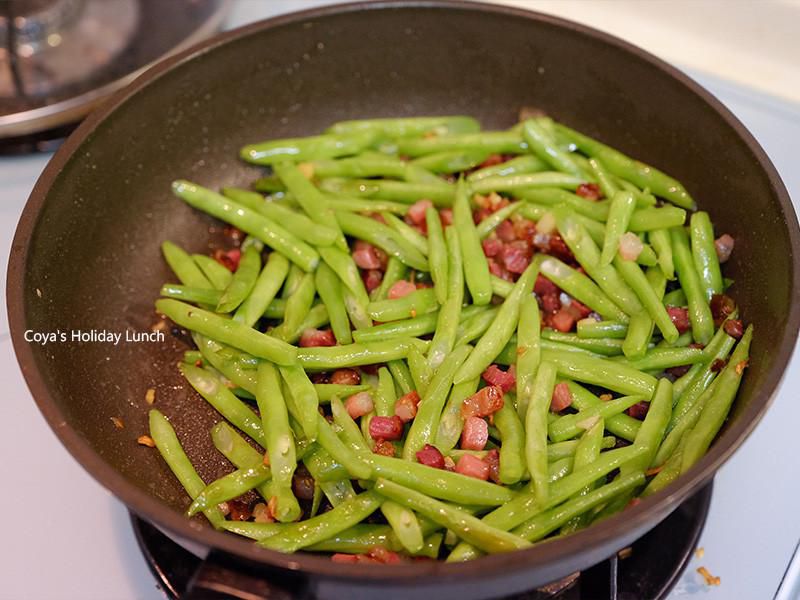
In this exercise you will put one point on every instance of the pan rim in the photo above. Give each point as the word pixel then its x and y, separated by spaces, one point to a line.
pixel 150 508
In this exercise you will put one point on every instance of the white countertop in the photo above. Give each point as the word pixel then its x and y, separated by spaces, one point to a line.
pixel 65 537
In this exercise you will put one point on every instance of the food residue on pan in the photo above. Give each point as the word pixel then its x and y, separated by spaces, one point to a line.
pixel 146 440
pixel 150 395
pixel 118 423
pixel 708 577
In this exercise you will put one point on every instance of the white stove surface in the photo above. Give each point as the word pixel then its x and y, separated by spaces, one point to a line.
pixel 66 537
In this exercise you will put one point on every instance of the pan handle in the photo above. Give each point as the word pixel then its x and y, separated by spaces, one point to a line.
pixel 219 578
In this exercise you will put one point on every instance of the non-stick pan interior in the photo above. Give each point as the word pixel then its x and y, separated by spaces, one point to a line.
pixel 93 260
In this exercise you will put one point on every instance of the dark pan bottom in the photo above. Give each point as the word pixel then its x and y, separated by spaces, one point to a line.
pixel 648 572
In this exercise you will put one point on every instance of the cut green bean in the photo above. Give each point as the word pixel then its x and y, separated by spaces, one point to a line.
pixel 699 311
pixel 705 254
pixel 476 269
pixel 619 215
pixel 437 254
pixel 330 290
pixel 308 148
pixel 536 429
pixel 185 269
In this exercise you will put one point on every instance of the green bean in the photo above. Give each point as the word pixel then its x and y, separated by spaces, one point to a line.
pixel 416 327
pixel 536 429
pixel 201 296
pixel 218 275
pixel 253 530
pixel 395 271
pixel 501 329
pixel 541 144
pixel 549 196
pixel 439 483
pixel 528 352
pixel 416 303
pixel 308 148
pixel 298 306
pixel 650 299
pixel 185 269
pixel 452 161
pixel 421 372
pixel 605 346
pixel 647 257
pixel 330 290
pixel 356 311
pixel 352 355
pixel 705 254
pixel 280 441
pixel 526 182
pixel 659 359
pixel 699 311
pixel 229 487
pixel 364 165
pixel 501 287
pixel 437 254
pixel 452 422
pixel 321 466
pixel 311 200
pixel 662 244
pixel 365 205
pixel 569 426
pixel 305 398
pixel 451 313
pixel 676 297
pixel 653 427
pixel 641 325
pixel 465 525
pixel 591 329
pixel 294 221
pixel 490 223
pixel 348 430
pixel 539 526
pixel 621 425
pixel 581 288
pixel 326 391
pixel 345 268
pixel 559 450
pixel 512 450
pixel 407 234
pixel 227 331
pixel 264 291
pixel 668 473
pixel 359 539
pixel 354 463
pixel 602 372
pixel 405 525
pixel 476 269
pixel 476 325
pixel 654 219
pixel 619 216
pixel 634 171
pixel 401 375
pixel 527 163
pixel 679 428
pixel 296 536
pixel 249 221
pixel 384 237
pixel 718 405
pixel 403 127
pixel 426 423
pixel 237 367
pixel 603 177
pixel 499 142
pixel 441 193
pixel 240 453
pixel 172 452
pixel 525 505
pixel 416 174
pixel 586 452
pixel 385 395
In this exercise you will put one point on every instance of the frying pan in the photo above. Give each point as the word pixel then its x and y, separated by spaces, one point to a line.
pixel 86 251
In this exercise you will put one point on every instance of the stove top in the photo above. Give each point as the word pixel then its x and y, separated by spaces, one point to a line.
pixel 649 568
pixel 66 537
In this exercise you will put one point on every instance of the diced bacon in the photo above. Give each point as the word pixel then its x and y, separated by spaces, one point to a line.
pixel 228 258
pixel 544 286
pixel 578 309
pixel 558 248
pixel 516 257
pixel 505 231
pixel 678 371
pixel 383 447
pixel 492 160
pixel 312 338
pixel 416 212
pixel 498 270
pixel 590 191
pixel 524 229
pixel 638 410
pixel 563 320
pixel 724 247
pixel 368 256
pixel 505 380
pixel 446 215
pixel 359 404
pixel 492 246
pixel 377 217
pixel 387 428
pixel 734 328
pixel 483 403
pixel 550 303
pixel 239 510
pixel 679 317
pixel 400 289
pixel 562 397
pixel 430 456
pixel 372 279
pixel 346 377
pixel 345 558
pixel 406 406
pixel 718 365
pixel 722 306
pixel 492 459
pixel 472 466
pixel 480 214
pixel 384 556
